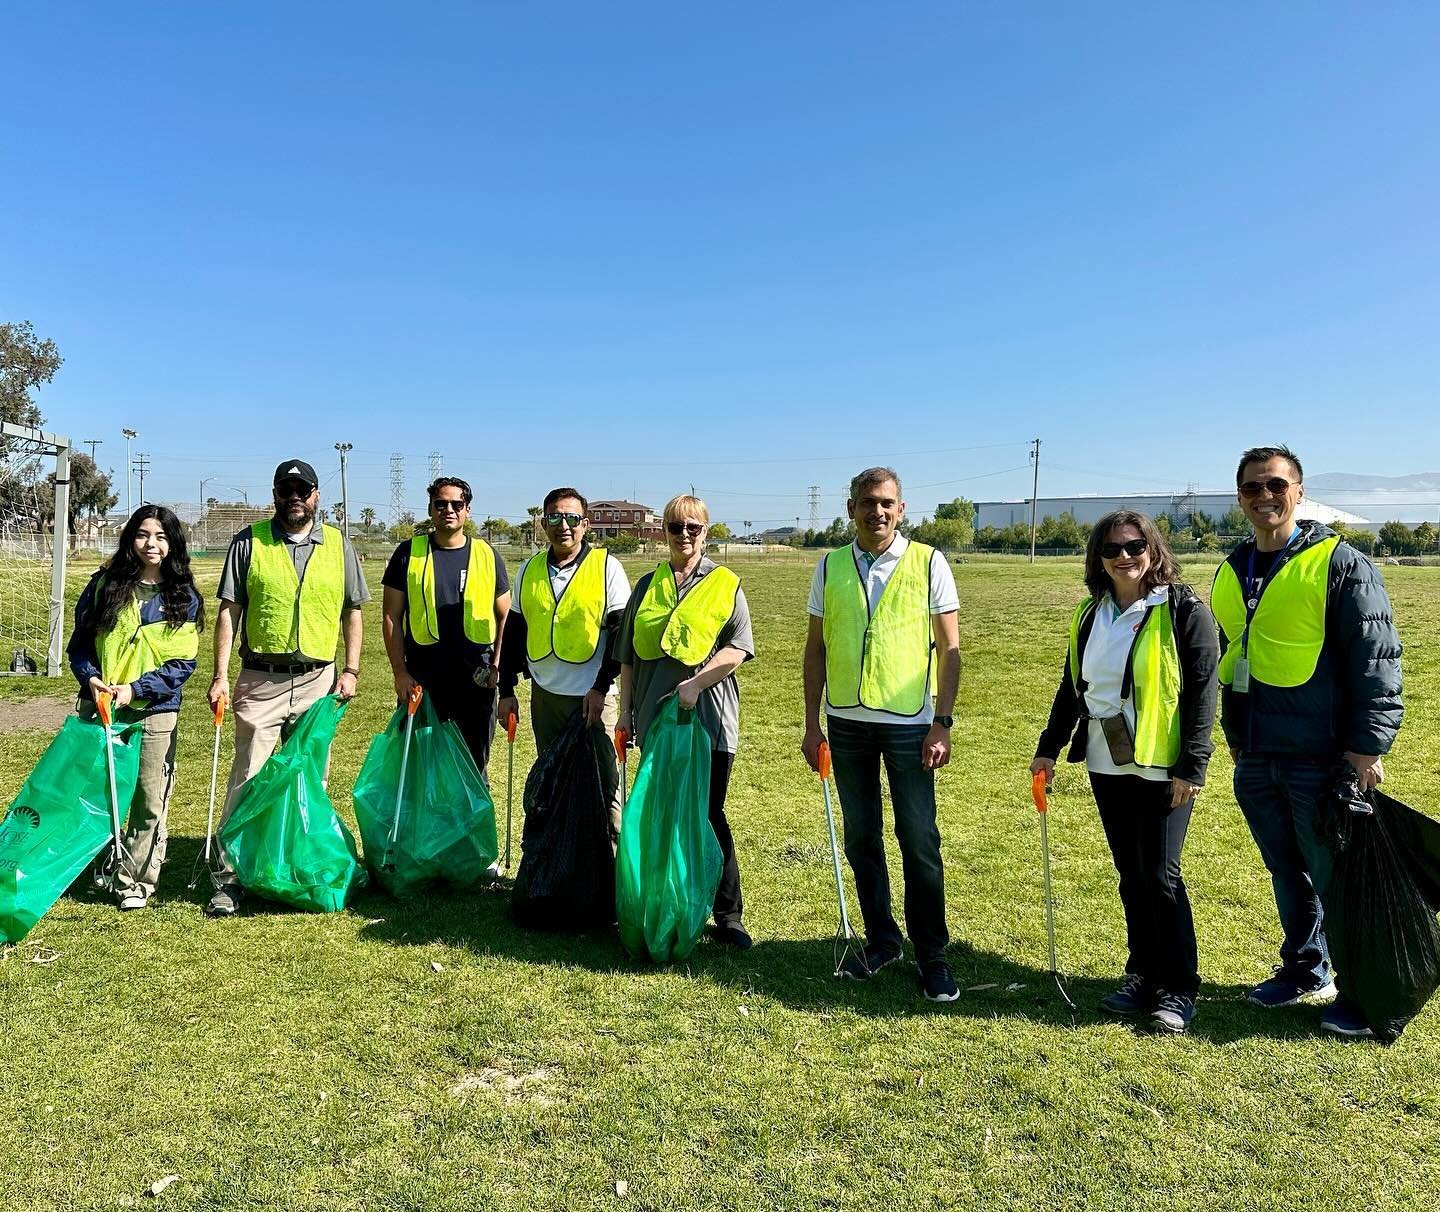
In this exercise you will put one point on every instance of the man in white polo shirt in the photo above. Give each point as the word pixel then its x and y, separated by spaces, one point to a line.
pixel 571 596
pixel 883 623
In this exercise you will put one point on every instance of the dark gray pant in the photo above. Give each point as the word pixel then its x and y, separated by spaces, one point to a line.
pixel 857 750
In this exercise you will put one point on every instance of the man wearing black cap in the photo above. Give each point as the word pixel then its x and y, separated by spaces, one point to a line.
pixel 288 588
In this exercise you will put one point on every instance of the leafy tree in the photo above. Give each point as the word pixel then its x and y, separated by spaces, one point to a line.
pixel 1210 541
pixel 90 491
pixel 337 511
pixel 1201 524
pixel 1064 531
pixel 26 362
pixel 497 529
pixel 1234 522
pixel 1424 537
pixel 1397 538
pixel 623 544
pixel 404 528
pixel 952 529
pixel 958 510
pixel 1358 538
pixel 720 532
pixel 1163 524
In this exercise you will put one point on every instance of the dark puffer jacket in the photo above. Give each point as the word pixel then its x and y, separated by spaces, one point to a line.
pixel 1352 703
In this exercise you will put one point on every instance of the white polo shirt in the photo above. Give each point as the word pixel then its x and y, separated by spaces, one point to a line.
pixel 943 599
pixel 1102 665
pixel 563 677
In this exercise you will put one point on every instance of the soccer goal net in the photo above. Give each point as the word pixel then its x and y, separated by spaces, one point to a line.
pixel 34 527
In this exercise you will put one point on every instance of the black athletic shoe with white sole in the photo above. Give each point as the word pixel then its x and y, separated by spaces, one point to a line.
pixel 863 966
pixel 937 982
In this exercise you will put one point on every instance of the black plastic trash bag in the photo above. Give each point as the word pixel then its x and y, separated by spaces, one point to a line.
pixel 1381 906
pixel 566 879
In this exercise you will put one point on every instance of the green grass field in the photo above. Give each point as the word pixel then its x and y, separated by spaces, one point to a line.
pixel 431 1055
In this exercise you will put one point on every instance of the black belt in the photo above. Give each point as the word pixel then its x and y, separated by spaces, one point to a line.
pixel 289 667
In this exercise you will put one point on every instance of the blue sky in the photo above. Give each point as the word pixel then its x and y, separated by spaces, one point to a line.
pixel 748 248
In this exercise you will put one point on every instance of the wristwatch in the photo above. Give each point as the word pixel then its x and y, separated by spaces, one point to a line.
pixel 945 721
pixel 354 673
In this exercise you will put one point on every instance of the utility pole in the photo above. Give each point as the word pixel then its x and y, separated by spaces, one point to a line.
pixel 92 443
pixel 1034 497
pixel 397 486
pixel 344 448
pixel 142 465
pixel 130 434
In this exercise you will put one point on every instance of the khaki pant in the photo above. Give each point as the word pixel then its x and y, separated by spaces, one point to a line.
pixel 548 714
pixel 265 706
pixel 147 834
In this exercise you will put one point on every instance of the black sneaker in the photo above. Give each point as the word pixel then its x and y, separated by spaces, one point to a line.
pixel 1172 1013
pixel 733 934
pixel 864 965
pixel 1132 998
pixel 937 982
pixel 1343 1017
pixel 225 902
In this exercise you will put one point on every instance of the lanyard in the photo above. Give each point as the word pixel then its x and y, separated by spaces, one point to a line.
pixel 1252 598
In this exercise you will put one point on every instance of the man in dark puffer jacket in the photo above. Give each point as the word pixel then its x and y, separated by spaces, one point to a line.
pixel 1309 680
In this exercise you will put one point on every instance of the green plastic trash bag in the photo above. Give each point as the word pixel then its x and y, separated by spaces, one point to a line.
pixel 668 865
pixel 61 819
pixel 447 818
pixel 283 838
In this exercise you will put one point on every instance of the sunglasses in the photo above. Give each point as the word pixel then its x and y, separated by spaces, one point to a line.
pixel 1275 486
pixel 690 528
pixel 571 520
pixel 1134 547
pixel 448 506
pixel 293 488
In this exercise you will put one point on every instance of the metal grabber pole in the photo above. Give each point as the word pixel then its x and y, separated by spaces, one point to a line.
pixel 1039 793
pixel 847 942
pixel 511 723
pixel 412 705
pixel 204 861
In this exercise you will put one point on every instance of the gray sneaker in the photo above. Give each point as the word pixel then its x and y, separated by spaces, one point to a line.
pixel 132 898
pixel 225 902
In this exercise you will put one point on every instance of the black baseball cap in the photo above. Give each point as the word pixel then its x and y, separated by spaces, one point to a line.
pixel 297 469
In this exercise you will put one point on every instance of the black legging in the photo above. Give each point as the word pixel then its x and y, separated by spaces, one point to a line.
pixel 728 903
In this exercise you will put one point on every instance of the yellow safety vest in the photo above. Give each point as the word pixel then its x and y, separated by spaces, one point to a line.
pixel 284 614
pixel 131 649
pixel 684 628
pixel 570 627
pixel 1287 631
pixel 478 600
pixel 1154 682
pixel 881 661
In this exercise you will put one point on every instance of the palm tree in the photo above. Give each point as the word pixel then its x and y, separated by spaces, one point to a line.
pixel 367 517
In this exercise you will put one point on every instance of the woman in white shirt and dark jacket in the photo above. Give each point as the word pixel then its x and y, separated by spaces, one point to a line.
pixel 1137 704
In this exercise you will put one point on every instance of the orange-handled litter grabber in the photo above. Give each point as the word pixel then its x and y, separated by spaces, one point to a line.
pixel 412 705
pixel 847 942
pixel 622 753
pixel 511 723
pixel 204 860
pixel 1039 789
pixel 104 703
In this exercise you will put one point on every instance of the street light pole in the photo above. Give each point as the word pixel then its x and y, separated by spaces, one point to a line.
pixel 344 448
pixel 130 434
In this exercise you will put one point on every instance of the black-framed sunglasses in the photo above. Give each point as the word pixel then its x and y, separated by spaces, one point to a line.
pixel 693 529
pixel 1275 486
pixel 293 488
pixel 571 520
pixel 1133 547
pixel 448 506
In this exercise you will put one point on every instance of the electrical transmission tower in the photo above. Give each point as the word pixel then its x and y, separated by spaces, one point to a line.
pixel 437 466
pixel 397 487
pixel 814 506
pixel 142 465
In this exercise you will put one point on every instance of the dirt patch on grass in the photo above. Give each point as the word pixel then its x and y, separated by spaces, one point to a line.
pixel 514 1087
pixel 34 715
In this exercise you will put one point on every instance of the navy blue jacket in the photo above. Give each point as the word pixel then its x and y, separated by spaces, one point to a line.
pixel 160 688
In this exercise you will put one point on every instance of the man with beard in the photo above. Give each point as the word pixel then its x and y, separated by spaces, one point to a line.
pixel 288 588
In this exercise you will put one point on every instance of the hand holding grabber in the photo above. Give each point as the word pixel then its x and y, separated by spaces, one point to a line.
pixel 511 723
pixel 412 704
pixel 622 753
pixel 847 942
pixel 204 861
pixel 1038 792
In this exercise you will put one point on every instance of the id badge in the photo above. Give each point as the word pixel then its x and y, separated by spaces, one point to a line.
pixel 1240 682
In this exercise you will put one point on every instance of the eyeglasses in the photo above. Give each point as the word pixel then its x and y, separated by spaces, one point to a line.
pixel 1133 547
pixel 691 528
pixel 571 520
pixel 448 506
pixel 1275 486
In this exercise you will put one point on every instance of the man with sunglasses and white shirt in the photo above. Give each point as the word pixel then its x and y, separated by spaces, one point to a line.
pixel 572 596
pixel 446 598
pixel 1309 690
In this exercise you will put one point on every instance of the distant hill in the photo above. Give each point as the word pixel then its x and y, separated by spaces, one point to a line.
pixel 1344 481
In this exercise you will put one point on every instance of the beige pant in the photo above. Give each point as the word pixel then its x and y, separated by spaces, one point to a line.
pixel 147 833
pixel 548 714
pixel 265 704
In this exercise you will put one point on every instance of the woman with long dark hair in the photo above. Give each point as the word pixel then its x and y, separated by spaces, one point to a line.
pixel 1138 695
pixel 137 628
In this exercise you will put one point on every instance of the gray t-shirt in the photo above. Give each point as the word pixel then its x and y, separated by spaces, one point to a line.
pixel 719 706
pixel 237 570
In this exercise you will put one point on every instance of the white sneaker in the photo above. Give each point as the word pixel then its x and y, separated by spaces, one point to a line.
pixel 133 898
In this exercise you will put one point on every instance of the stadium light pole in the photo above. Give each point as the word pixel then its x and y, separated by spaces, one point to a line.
pixel 1034 497
pixel 130 435
pixel 344 448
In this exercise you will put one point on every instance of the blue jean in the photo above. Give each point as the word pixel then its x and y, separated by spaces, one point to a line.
pixel 857 750
pixel 1280 798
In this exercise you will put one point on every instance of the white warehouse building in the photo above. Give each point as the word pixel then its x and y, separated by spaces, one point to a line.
pixel 1090 509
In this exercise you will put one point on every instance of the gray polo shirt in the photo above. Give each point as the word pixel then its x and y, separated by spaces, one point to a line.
pixel 237 571
pixel 719 706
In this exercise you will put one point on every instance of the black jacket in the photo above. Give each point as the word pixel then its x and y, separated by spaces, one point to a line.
pixel 1352 703
pixel 1196 647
